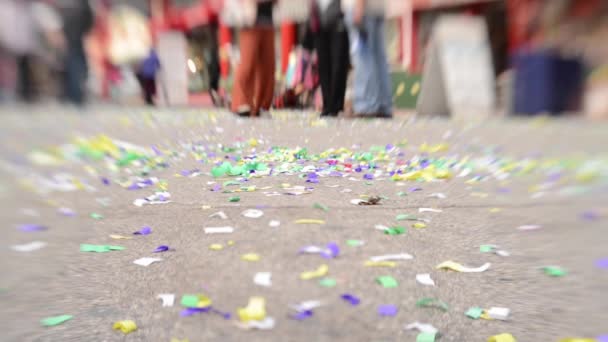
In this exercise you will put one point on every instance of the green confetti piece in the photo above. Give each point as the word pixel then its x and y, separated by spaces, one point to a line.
pixel 327 282
pixel 405 217
pixel 426 337
pixel 369 183
pixel 96 216
pixel 320 206
pixel 401 194
pixel 99 248
pixel 354 243
pixel 432 302
pixel 236 170
pixel 554 271
pixel 486 248
pixel 234 199
pixel 128 158
pixel 474 312
pixel 55 320
pixel 387 282
pixel 397 230
pixel 190 301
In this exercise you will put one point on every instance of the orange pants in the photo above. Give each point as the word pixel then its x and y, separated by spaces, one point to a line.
pixel 253 87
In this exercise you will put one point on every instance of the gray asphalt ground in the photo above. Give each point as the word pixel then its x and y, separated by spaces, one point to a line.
pixel 100 289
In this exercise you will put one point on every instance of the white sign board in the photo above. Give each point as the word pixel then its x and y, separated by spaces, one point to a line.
pixel 458 77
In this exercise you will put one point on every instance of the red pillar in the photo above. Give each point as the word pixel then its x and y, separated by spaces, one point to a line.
pixel 288 40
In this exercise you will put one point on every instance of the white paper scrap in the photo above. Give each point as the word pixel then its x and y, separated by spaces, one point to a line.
pixel 167 298
pixel 387 257
pixel 265 324
pixel 263 279
pixel 307 305
pixel 430 210
pixel 422 327
pixel 219 230
pixel 425 279
pixel 29 247
pixel 253 213
pixel 438 195
pixel 499 313
pixel 146 261
pixel 274 223
pixel 219 214
pixel 529 227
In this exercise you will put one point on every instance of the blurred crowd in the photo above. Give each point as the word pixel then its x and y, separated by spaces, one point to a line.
pixel 42 42
pixel 43 39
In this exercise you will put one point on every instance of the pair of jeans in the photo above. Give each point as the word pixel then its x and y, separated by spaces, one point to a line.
pixel 76 72
pixel 372 90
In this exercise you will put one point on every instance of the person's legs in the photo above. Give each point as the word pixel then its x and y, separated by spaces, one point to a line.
pixel 323 47
pixel 75 74
pixel 265 66
pixel 25 80
pixel 339 68
pixel 242 90
pixel 366 92
pixel 382 69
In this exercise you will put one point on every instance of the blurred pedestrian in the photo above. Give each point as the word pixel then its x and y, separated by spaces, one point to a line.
pixel 78 19
pixel 253 87
pixel 372 94
pixel 146 75
pixel 331 42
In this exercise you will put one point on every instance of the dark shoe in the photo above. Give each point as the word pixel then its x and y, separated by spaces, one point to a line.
pixel 326 114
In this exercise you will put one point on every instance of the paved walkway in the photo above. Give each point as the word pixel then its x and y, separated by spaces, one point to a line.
pixel 487 180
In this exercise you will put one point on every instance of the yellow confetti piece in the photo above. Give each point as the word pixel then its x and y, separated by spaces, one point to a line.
pixel 309 221
pixel 119 237
pixel 230 243
pixel 495 210
pixel 502 338
pixel 216 247
pixel 419 225
pixel 479 194
pixel 318 273
pixel 179 340
pixel 454 266
pixel 434 148
pixel 486 316
pixel 125 326
pixel 370 263
pixel 255 310
pixel 578 339
pixel 251 257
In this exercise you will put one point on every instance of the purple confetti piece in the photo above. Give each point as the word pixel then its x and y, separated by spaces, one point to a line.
pixel 105 181
pixel 156 151
pixel 424 164
pixel 335 174
pixel 332 251
pixel 302 315
pixel 389 147
pixel 225 315
pixel 504 190
pixel 31 227
pixel 216 187
pixel 66 212
pixel 358 169
pixel 143 231
pixel 602 263
pixel 134 186
pixel 368 176
pixel 589 216
pixel 354 301
pixel 387 310
pixel 602 338
pixel 161 248
pixel 415 189
pixel 312 180
pixel 185 173
pixel 193 311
